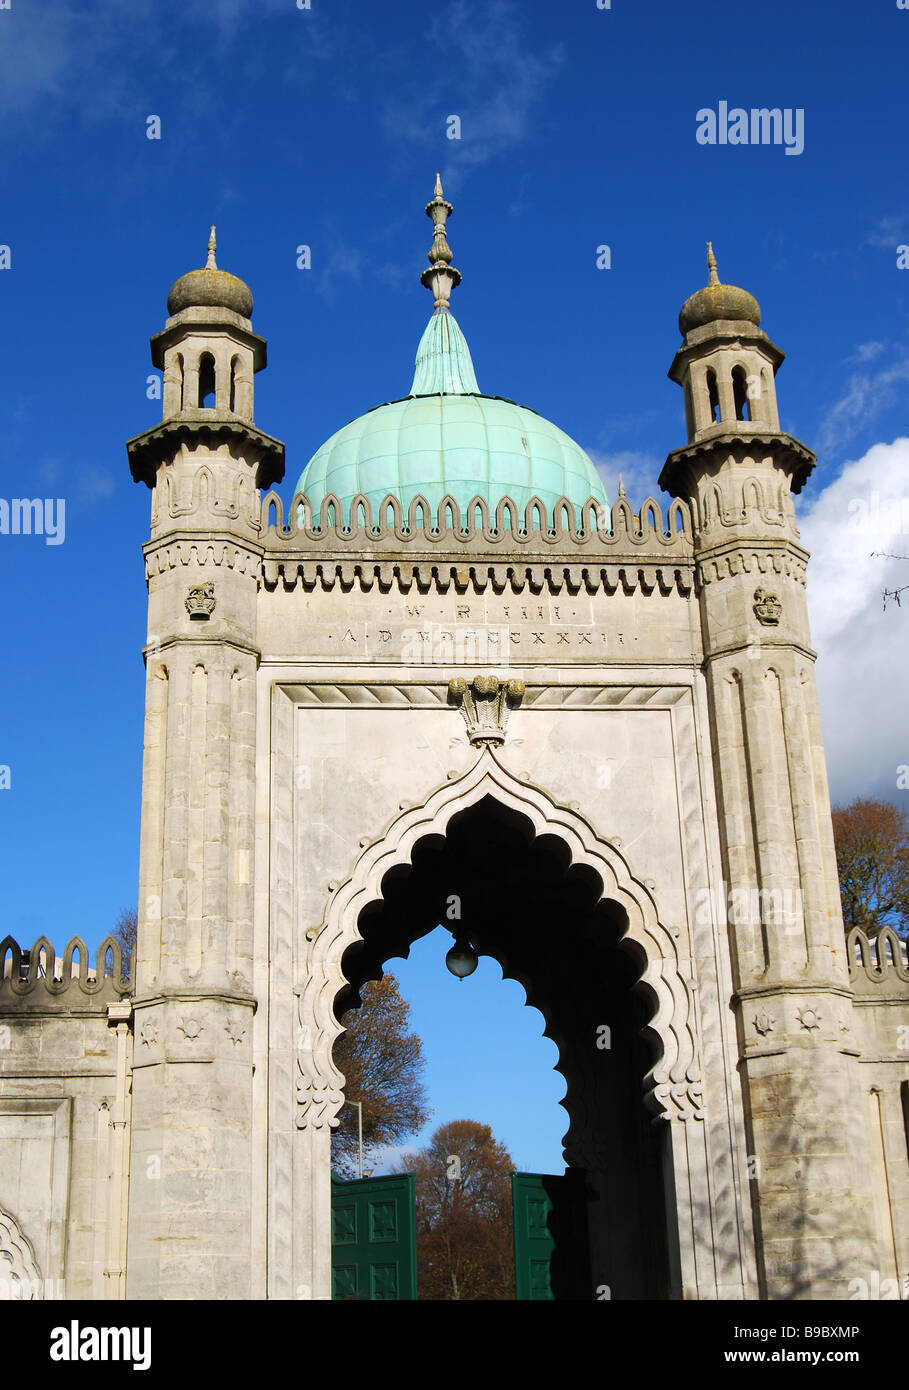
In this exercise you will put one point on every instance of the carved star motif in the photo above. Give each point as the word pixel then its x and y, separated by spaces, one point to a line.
pixel 809 1018
pixel 235 1029
pixel 190 1028
pixel 764 1022
pixel 148 1034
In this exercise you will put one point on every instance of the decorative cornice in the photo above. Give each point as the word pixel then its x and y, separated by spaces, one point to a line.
pixel 499 576
pixel 196 996
pixel 222 641
pixel 434 694
pixel 160 443
pixel 733 560
pixel 169 554
pixel 788 450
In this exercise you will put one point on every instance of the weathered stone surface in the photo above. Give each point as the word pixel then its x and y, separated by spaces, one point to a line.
pixel 307 731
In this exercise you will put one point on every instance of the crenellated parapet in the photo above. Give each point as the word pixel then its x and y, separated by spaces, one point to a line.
pixel 37 978
pixel 507 524
pixel 592 548
pixel 878 963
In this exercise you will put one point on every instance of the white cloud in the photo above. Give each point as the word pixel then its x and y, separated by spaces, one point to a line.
pixel 866 395
pixel 486 73
pixel 638 470
pixel 887 232
pixel 867 352
pixel 863 650
pixel 93 61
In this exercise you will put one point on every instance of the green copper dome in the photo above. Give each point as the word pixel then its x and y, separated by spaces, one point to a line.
pixel 446 436
pixel 448 439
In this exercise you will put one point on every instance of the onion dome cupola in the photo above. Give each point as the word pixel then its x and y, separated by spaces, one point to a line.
pixel 446 436
pixel 208 354
pixel 208 349
pixel 727 364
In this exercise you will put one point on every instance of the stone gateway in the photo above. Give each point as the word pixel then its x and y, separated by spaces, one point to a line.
pixel 450 670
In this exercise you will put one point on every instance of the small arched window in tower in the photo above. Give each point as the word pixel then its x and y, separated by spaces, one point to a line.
pixel 713 396
pixel 180 380
pixel 234 368
pixel 207 381
pixel 740 394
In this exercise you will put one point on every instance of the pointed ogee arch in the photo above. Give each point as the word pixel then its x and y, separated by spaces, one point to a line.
pixel 673 1084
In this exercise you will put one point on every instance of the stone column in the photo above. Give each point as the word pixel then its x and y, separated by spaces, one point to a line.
pixel 810 1181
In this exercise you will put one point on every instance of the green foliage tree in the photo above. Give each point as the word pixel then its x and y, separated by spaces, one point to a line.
pixel 465 1247
pixel 872 856
pixel 383 1064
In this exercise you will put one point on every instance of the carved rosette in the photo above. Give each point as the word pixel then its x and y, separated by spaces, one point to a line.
pixel 484 702
pixel 200 601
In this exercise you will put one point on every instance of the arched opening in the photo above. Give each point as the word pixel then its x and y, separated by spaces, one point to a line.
pixel 544 918
pixel 740 394
pixel 713 396
pixel 206 381
pixel 234 368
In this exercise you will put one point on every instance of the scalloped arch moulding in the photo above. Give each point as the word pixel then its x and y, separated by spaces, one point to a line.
pixel 711 1253
pixel 20 1274
pixel 673 1087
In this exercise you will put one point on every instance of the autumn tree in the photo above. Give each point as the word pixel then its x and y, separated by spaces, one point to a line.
pixel 872 856
pixel 125 931
pixel 382 1063
pixel 465 1247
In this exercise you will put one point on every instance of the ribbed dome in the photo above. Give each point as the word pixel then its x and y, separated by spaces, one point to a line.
pixel 718 301
pixel 210 288
pixel 447 437
pixel 463 445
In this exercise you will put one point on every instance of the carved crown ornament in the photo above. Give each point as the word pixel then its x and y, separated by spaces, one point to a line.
pixel 200 600
pixel 767 607
pixel 484 702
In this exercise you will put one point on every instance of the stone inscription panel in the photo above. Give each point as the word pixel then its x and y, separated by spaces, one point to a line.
pixel 476 629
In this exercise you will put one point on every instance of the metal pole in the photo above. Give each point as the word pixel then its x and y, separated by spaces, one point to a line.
pixel 359 1106
pixel 359 1137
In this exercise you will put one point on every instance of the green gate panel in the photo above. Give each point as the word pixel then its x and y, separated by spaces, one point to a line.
pixel 551 1251
pixel 374 1238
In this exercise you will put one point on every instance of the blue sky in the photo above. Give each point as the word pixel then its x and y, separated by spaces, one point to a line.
pixel 325 127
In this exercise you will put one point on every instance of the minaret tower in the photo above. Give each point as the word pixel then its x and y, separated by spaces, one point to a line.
pixel 190 1205
pixel 781 904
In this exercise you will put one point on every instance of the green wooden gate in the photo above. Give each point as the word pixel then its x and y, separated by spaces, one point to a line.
pixel 551 1253
pixel 374 1238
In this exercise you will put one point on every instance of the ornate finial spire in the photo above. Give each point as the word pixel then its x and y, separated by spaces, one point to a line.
pixel 621 487
pixel 442 277
pixel 711 265
pixel 211 263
